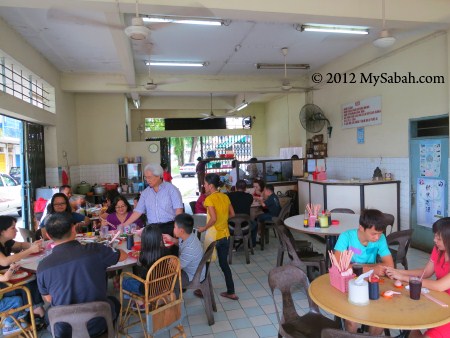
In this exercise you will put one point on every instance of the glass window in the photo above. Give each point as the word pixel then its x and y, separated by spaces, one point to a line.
pixel 154 124
pixel 9 181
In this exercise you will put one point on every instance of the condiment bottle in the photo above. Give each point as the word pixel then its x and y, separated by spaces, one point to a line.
pixel 305 219
pixel 329 217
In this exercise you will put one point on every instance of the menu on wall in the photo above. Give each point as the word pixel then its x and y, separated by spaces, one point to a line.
pixel 362 113
pixel 430 201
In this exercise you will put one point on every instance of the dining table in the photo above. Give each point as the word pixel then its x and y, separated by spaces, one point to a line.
pixel 398 312
pixel 330 233
pixel 31 262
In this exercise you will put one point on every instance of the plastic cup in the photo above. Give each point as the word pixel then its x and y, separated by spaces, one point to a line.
pixel 415 287
pixel 104 231
pixel 374 290
pixel 357 269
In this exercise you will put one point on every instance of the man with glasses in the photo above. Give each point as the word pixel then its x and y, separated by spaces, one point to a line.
pixel 160 201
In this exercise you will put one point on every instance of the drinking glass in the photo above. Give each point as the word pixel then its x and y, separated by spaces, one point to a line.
pixel 415 287
pixel 357 269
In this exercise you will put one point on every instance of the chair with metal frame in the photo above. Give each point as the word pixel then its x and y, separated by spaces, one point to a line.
pixel 290 324
pixel 163 305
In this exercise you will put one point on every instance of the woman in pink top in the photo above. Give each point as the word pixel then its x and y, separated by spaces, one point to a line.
pixel 122 212
pixel 438 265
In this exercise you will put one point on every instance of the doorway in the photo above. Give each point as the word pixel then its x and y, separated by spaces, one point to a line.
pixel 428 161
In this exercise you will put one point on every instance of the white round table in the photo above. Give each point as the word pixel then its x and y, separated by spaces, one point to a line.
pixel 346 222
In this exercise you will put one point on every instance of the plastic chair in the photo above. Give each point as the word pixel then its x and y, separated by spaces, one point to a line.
pixel 240 229
pixel 301 246
pixel 284 212
pixel 309 261
pixel 163 307
pixel 30 330
pixel 77 315
pixel 342 211
pixel 290 323
pixel 403 240
pixel 333 333
pixel 205 285
pixel 293 194
pixel 389 221
pixel 192 205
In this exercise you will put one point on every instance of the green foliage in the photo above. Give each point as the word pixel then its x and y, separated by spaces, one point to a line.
pixel 155 124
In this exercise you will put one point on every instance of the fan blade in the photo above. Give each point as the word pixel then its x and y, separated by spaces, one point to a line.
pixel 207 118
pixel 206 114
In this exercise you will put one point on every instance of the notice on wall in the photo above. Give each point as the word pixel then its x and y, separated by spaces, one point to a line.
pixel 430 158
pixel 362 113
pixel 430 201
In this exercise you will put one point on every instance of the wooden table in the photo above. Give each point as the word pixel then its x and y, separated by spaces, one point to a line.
pixel 399 312
pixel 346 222
pixel 31 262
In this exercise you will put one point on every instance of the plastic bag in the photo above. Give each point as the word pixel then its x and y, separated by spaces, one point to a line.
pixel 210 236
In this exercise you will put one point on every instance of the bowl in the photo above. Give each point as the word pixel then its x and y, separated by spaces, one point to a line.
pixel 136 247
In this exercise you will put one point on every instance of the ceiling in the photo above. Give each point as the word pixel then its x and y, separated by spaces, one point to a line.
pixel 85 40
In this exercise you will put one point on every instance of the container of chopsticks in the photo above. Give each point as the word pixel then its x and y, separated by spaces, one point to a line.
pixel 341 272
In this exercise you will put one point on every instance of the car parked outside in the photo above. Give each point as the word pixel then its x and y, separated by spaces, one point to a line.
pixel 187 169
pixel 14 172
pixel 10 194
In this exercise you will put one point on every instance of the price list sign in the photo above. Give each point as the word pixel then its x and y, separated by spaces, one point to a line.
pixel 362 113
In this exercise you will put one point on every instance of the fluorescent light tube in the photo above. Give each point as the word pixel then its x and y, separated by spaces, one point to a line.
pixel 186 20
pixel 333 29
pixel 242 106
pixel 176 64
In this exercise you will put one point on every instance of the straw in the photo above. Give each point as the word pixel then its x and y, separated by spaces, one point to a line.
pixel 115 236
pixel 422 274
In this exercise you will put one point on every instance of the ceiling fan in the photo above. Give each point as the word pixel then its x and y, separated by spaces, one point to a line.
pixel 150 84
pixel 385 39
pixel 286 85
pixel 211 115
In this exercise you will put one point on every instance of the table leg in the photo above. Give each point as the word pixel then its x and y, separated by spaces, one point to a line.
pixel 404 334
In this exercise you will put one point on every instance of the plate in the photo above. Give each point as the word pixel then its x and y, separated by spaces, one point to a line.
pixel 133 254
pixel 20 275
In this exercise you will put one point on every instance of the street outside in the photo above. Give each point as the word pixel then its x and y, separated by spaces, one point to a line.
pixel 188 187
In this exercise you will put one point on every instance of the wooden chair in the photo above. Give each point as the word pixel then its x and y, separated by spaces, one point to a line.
pixel 290 323
pixel 240 229
pixel 309 261
pixel 333 333
pixel 284 212
pixel 403 240
pixel 300 246
pixel 205 285
pixel 163 307
pixel 78 315
pixel 30 330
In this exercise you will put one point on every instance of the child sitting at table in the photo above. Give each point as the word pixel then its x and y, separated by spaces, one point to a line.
pixel 367 242
pixel 8 302
pixel 437 265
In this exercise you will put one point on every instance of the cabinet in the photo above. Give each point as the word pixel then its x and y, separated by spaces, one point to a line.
pixel 277 170
pixel 131 174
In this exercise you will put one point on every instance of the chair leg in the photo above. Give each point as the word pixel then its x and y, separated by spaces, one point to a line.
pixel 208 304
pixel 280 256
pixel 247 255
pixel 262 237
pixel 211 291
pixel 266 235
pixel 251 245
pixel 230 250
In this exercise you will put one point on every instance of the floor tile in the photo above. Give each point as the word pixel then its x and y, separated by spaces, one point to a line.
pixel 241 323
pixel 253 311
pixel 260 320
pixel 235 314
pixel 266 331
pixel 247 333
pixel 221 326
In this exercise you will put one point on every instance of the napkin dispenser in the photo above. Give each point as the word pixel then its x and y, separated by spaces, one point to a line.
pixel 358 290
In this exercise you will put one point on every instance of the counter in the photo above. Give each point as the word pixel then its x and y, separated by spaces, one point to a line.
pixel 355 195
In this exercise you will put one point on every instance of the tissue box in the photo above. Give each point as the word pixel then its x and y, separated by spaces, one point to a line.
pixel 322 176
pixel 338 281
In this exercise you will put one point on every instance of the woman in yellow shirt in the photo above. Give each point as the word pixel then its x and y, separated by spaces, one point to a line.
pixel 219 209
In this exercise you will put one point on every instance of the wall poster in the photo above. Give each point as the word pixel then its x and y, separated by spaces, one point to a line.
pixel 362 113
pixel 430 201
pixel 430 158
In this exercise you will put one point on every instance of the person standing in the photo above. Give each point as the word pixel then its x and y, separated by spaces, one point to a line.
pixel 74 273
pixel 219 209
pixel 234 173
pixel 160 201
pixel 200 169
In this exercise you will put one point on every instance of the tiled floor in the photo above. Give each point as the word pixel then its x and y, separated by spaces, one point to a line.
pixel 254 314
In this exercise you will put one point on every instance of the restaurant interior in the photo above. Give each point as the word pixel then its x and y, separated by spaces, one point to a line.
pixel 100 85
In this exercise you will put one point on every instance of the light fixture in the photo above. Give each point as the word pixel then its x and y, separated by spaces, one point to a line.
pixel 242 105
pixel 312 27
pixel 281 66
pixel 384 40
pixel 137 30
pixel 137 103
pixel 176 63
pixel 187 20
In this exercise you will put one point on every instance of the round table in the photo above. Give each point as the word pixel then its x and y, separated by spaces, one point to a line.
pixel 399 312
pixel 346 222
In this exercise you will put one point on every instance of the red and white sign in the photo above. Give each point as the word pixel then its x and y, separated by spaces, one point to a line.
pixel 362 113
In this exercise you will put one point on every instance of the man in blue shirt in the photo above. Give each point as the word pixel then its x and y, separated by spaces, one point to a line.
pixel 367 242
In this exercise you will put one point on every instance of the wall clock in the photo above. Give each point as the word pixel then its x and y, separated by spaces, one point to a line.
pixel 153 147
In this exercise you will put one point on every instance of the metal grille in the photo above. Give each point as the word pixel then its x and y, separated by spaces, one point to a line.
pixel 239 145
pixel 19 83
